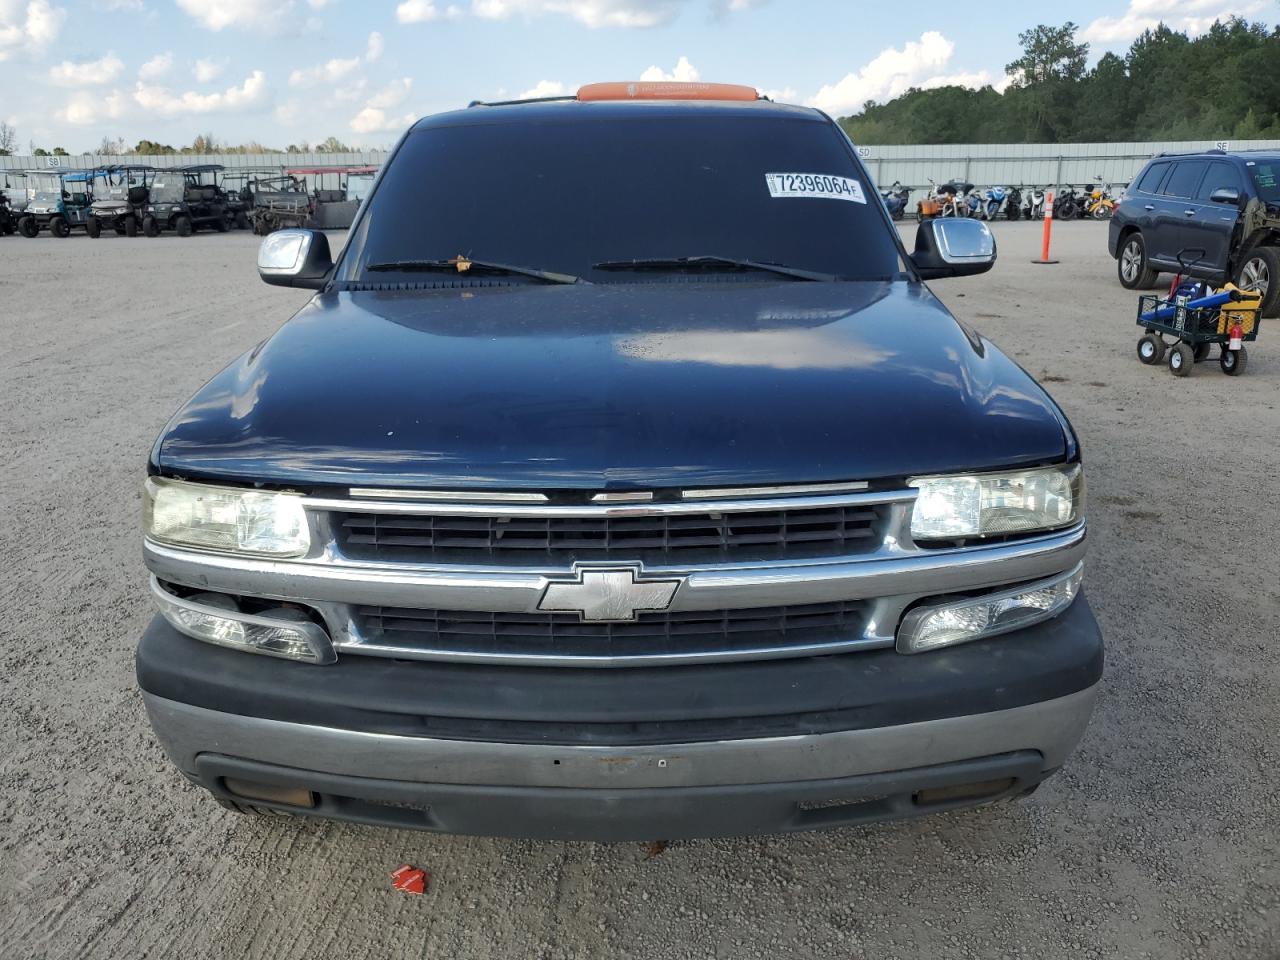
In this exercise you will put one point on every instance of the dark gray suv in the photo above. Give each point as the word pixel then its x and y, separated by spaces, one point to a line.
pixel 1219 210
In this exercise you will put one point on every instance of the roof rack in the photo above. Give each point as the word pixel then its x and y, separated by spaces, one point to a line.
pixel 513 103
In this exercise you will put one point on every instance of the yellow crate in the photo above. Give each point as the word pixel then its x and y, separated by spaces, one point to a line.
pixel 1245 311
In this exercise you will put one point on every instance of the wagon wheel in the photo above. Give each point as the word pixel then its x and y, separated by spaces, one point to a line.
pixel 1182 360
pixel 1233 362
pixel 1151 348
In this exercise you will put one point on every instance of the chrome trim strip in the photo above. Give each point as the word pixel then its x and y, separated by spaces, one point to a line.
pixel 623 496
pixel 468 496
pixel 1052 727
pixel 611 510
pixel 888 572
pixel 715 493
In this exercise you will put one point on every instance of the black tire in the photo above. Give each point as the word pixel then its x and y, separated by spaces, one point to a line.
pixel 242 221
pixel 1202 351
pixel 1233 362
pixel 1259 269
pixel 1131 265
pixel 130 226
pixel 182 225
pixel 150 226
pixel 59 227
pixel 1013 212
pixel 1067 210
pixel 93 227
pixel 222 225
pixel 1182 360
pixel 28 227
pixel 1151 348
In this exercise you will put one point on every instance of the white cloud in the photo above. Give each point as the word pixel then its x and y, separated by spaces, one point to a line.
pixel 391 95
pixel 891 73
pixel 920 63
pixel 90 74
pixel 30 27
pixel 249 14
pixel 329 72
pixel 86 108
pixel 785 95
pixel 684 72
pixel 373 49
pixel 374 120
pixel 160 100
pixel 543 88
pixel 592 13
pixel 1192 16
pixel 417 11
pixel 113 6
pixel 156 67
pixel 207 70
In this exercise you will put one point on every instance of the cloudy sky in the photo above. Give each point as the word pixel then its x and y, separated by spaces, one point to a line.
pixel 281 71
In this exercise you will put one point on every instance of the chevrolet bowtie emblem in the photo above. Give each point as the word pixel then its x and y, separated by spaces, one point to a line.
pixel 608 594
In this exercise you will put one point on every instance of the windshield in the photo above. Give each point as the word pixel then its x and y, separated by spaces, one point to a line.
pixel 1264 173
pixel 567 194
pixel 167 189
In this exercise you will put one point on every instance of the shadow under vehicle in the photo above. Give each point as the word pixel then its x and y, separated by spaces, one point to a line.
pixel 120 198
pixel 279 202
pixel 57 201
pixel 186 199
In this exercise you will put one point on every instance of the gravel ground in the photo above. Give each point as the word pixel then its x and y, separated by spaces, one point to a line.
pixel 1158 840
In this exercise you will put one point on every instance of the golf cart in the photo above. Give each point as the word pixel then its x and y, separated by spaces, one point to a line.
pixel 333 205
pixel 279 202
pixel 8 211
pixel 237 186
pixel 120 197
pixel 56 201
pixel 184 199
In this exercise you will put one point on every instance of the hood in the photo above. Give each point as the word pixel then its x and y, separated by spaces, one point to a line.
pixel 615 386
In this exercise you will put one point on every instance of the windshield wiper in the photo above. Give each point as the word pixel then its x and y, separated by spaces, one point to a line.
pixel 463 265
pixel 714 262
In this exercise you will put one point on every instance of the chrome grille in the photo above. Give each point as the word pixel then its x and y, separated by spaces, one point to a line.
pixel 696 537
pixel 685 633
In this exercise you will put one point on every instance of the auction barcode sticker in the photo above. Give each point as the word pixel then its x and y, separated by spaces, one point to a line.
pixel 821 186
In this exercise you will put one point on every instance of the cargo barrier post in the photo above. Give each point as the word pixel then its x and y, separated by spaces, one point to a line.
pixel 1048 230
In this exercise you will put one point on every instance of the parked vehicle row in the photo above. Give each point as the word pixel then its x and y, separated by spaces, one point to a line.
pixel 129 199
pixel 961 198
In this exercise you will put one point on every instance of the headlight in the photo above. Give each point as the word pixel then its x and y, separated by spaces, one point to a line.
pixel 946 624
pixel 993 504
pixel 227 519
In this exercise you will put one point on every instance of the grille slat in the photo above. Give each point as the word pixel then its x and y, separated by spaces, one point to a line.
pixel 652 634
pixel 700 537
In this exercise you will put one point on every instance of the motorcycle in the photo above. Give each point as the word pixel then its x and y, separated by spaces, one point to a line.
pixel 1067 204
pixel 997 200
pixel 959 199
pixel 1033 204
pixel 895 199
pixel 1099 203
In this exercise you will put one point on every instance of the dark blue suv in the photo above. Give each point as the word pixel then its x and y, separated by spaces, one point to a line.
pixel 623 479
pixel 1220 211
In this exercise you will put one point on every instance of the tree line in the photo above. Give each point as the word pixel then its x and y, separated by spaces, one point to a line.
pixel 1223 84
pixel 205 143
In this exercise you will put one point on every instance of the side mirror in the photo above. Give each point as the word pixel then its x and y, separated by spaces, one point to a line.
pixel 953 247
pixel 295 258
pixel 1225 195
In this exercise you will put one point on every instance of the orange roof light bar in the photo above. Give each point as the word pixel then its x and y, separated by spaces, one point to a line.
pixel 667 90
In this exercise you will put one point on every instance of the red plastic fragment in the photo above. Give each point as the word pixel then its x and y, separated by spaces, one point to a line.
pixel 411 880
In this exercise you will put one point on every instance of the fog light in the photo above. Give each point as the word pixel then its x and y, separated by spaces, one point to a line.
pixel 214 619
pixel 272 793
pixel 947 624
